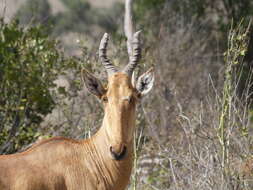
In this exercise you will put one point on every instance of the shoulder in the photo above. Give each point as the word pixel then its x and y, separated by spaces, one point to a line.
pixel 55 143
pixel 52 142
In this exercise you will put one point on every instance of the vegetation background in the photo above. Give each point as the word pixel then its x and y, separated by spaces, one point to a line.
pixel 195 129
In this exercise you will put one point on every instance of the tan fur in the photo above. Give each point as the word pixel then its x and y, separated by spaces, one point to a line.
pixel 66 164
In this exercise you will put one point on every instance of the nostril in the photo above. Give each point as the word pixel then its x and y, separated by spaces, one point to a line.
pixel 120 155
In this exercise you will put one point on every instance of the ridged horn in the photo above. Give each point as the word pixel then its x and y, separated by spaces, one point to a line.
pixel 110 68
pixel 135 56
pixel 133 42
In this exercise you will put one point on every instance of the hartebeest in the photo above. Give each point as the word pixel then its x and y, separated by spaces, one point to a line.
pixel 105 160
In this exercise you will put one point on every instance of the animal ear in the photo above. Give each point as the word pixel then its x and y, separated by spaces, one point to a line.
pixel 93 84
pixel 145 82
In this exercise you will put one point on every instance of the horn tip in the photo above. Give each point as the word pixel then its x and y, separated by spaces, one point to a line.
pixel 106 35
pixel 137 33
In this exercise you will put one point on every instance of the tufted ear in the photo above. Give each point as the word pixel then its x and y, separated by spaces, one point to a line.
pixel 93 84
pixel 145 82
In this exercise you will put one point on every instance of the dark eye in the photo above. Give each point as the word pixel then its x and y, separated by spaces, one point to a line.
pixel 138 96
pixel 104 99
pixel 131 100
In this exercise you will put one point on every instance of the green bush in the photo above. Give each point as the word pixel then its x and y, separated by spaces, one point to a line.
pixel 29 63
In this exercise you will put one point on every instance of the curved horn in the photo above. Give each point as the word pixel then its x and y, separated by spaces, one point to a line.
pixel 133 47
pixel 110 68
pixel 135 56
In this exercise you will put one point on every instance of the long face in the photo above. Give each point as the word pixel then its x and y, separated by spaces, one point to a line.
pixel 119 102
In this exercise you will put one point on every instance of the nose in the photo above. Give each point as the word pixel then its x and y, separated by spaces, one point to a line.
pixel 118 151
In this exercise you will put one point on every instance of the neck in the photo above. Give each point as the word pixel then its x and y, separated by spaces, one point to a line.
pixel 117 172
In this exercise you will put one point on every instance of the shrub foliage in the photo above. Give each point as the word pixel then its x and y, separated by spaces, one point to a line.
pixel 29 64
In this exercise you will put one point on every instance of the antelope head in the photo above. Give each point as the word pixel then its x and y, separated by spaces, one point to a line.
pixel 122 92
